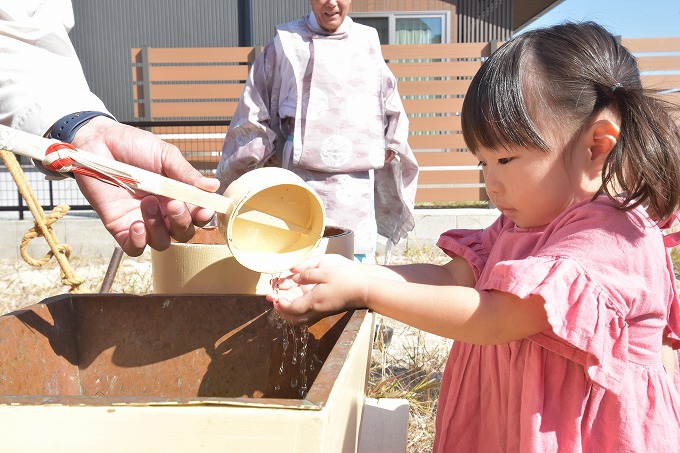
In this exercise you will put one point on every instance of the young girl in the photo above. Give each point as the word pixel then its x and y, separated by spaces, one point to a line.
pixel 559 309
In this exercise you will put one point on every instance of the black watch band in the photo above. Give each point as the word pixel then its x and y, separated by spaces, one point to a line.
pixel 65 129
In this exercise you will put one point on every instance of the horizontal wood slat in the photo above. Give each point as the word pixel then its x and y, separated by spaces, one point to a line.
pixel 203 165
pixel 661 81
pixel 442 105
pixel 436 141
pixel 649 45
pixel 445 195
pixel 450 176
pixel 175 55
pixel 197 91
pixel 190 110
pixel 175 130
pixel 671 97
pixel 426 69
pixel 198 73
pixel 198 146
pixel 427 159
pixel 435 123
pixel 659 62
pixel 433 87
pixel 432 80
pixel 457 50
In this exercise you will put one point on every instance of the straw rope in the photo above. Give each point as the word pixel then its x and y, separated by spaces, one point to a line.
pixel 42 227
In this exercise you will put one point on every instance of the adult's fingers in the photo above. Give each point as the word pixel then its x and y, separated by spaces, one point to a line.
pixel 179 221
pixel 135 241
pixel 157 234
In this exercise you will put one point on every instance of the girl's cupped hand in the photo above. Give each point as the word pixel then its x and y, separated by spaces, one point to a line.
pixel 320 286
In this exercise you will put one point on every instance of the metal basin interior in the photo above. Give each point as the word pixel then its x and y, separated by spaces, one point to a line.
pixel 102 349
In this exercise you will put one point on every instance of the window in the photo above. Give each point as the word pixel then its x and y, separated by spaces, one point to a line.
pixel 409 27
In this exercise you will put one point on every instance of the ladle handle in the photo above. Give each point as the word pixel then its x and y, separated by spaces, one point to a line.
pixel 131 177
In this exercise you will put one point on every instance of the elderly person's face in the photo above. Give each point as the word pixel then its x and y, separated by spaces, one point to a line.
pixel 330 13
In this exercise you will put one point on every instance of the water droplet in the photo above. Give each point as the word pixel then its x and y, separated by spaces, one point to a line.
pixel 304 337
pixel 294 341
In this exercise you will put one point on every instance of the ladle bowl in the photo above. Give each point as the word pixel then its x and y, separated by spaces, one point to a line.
pixel 274 222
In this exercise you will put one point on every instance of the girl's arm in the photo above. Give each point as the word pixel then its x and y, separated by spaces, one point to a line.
pixel 456 272
pixel 460 313
pixel 437 299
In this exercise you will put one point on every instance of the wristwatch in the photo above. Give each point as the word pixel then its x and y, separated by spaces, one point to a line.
pixel 66 127
pixel 64 130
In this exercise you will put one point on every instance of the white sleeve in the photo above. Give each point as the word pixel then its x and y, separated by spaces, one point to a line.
pixel 41 78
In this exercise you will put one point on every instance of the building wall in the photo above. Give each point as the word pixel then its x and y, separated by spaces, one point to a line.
pixel 484 20
pixel 107 30
pixel 268 13
pixel 362 6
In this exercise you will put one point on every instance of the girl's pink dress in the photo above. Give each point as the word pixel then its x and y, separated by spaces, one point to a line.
pixel 593 383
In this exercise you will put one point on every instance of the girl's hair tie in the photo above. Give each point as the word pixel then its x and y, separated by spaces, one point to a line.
pixel 616 86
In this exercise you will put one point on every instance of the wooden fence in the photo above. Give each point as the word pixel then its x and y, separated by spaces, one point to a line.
pixel 180 84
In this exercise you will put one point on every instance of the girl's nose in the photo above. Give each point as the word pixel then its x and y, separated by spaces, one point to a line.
pixel 491 182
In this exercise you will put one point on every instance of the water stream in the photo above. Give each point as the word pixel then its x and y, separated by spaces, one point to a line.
pixel 290 338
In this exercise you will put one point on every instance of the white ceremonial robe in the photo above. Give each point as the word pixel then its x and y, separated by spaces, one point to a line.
pixel 326 107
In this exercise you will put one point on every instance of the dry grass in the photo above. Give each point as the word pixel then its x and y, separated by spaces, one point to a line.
pixel 25 285
pixel 410 366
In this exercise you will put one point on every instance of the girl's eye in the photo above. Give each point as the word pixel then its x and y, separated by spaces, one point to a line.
pixel 481 164
pixel 504 160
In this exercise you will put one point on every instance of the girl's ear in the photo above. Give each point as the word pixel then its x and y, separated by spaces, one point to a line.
pixel 602 136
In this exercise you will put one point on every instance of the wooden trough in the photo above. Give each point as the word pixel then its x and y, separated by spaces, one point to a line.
pixel 163 373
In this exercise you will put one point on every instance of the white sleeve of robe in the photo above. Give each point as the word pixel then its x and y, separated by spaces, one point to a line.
pixel 41 78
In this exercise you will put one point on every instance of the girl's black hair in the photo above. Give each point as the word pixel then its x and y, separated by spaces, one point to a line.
pixel 575 70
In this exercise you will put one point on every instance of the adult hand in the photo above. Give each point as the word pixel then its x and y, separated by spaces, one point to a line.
pixel 320 287
pixel 138 220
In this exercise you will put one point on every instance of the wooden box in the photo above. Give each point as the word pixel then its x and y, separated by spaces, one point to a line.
pixel 179 373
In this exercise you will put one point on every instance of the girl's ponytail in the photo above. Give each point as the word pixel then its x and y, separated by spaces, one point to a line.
pixel 644 167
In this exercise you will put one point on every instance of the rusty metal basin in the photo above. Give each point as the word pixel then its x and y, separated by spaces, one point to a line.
pixel 178 373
